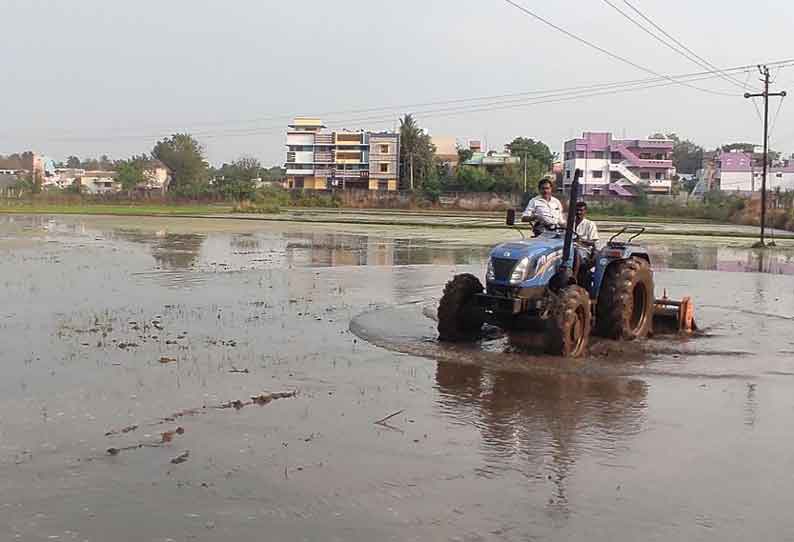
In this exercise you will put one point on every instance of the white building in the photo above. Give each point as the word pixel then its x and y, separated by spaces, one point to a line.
pixel 738 171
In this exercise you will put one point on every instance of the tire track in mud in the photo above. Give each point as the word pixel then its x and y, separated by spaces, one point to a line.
pixel 410 329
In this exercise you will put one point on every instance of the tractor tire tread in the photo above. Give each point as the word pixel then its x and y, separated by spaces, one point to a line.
pixel 562 316
pixel 616 300
pixel 456 322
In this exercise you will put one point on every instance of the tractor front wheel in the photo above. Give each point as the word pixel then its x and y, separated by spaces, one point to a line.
pixel 459 318
pixel 568 325
pixel 625 303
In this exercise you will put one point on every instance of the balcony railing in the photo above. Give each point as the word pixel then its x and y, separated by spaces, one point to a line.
pixel 323 139
pixel 323 157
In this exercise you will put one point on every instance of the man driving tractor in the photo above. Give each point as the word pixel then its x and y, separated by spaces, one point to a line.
pixel 544 209
pixel 546 212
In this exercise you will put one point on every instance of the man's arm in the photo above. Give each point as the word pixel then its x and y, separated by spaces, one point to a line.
pixel 529 212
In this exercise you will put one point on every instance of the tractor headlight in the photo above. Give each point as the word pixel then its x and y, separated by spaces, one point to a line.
pixel 519 273
pixel 489 274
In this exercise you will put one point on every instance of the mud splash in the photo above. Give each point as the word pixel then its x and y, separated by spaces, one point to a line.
pixel 410 329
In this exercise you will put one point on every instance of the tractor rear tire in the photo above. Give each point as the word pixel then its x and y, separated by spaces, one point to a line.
pixel 568 325
pixel 625 304
pixel 459 319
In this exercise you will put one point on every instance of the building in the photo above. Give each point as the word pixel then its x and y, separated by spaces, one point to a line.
pixel 157 176
pixel 613 166
pixel 492 161
pixel 318 159
pixel 446 150
pixel 65 177
pixel 99 182
pixel 737 171
pixel 7 180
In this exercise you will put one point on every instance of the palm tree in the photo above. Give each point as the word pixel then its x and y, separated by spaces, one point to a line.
pixel 410 137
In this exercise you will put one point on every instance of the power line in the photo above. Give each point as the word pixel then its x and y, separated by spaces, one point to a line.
pixel 511 105
pixel 774 119
pixel 755 105
pixel 575 92
pixel 654 36
pixel 606 52
pixel 678 42
pixel 488 103
pixel 547 97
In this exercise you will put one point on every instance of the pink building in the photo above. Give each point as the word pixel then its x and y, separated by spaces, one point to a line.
pixel 612 166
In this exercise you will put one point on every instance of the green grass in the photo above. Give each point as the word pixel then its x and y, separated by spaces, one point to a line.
pixel 119 209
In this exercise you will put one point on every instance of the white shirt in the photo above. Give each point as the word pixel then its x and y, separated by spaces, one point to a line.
pixel 587 230
pixel 548 212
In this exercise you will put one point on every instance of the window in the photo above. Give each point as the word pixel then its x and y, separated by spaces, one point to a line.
pixel 383 186
pixel 659 176
pixel 645 156
pixel 616 156
pixel 567 173
pixel 384 149
pixel 598 154
pixel 660 156
pixel 597 173
pixel 580 154
pixel 384 167
pixel 645 175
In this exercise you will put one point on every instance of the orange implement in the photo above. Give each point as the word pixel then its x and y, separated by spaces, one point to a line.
pixel 670 316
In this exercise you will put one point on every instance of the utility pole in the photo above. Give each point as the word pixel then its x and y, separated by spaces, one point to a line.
pixel 765 95
pixel 525 172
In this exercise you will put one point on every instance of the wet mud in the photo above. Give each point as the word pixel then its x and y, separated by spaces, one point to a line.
pixel 148 369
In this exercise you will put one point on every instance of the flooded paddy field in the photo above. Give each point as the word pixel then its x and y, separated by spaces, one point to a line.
pixel 180 379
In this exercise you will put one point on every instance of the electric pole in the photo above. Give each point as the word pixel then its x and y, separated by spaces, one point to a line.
pixel 525 171
pixel 765 95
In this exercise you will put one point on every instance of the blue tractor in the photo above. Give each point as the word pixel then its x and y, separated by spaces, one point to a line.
pixel 564 288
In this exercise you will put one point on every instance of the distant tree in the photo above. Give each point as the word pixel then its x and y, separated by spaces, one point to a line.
pixel 474 179
pixel 27 160
pixel 464 154
pixel 90 164
pixel 73 162
pixel 273 174
pixel 528 148
pixel 28 183
pixel 130 173
pixel 417 152
pixel 184 156
pixel 238 179
pixel 742 147
pixel 105 163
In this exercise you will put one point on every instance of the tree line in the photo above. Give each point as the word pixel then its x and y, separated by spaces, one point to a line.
pixel 421 169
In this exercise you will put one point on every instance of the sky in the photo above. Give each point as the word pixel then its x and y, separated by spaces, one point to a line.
pixel 93 77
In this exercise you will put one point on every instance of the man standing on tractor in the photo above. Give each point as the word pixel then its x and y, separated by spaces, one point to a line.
pixel 544 209
pixel 586 230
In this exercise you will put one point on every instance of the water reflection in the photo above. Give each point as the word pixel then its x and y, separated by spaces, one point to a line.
pixel 169 250
pixel 276 247
pixel 539 425
pixel 715 258
pixel 336 249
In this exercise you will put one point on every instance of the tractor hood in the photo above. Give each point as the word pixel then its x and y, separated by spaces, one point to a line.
pixel 515 250
pixel 543 255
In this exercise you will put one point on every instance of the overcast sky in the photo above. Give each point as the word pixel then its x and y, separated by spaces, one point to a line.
pixel 89 77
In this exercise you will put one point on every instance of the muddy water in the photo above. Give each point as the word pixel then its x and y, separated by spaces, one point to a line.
pixel 131 350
